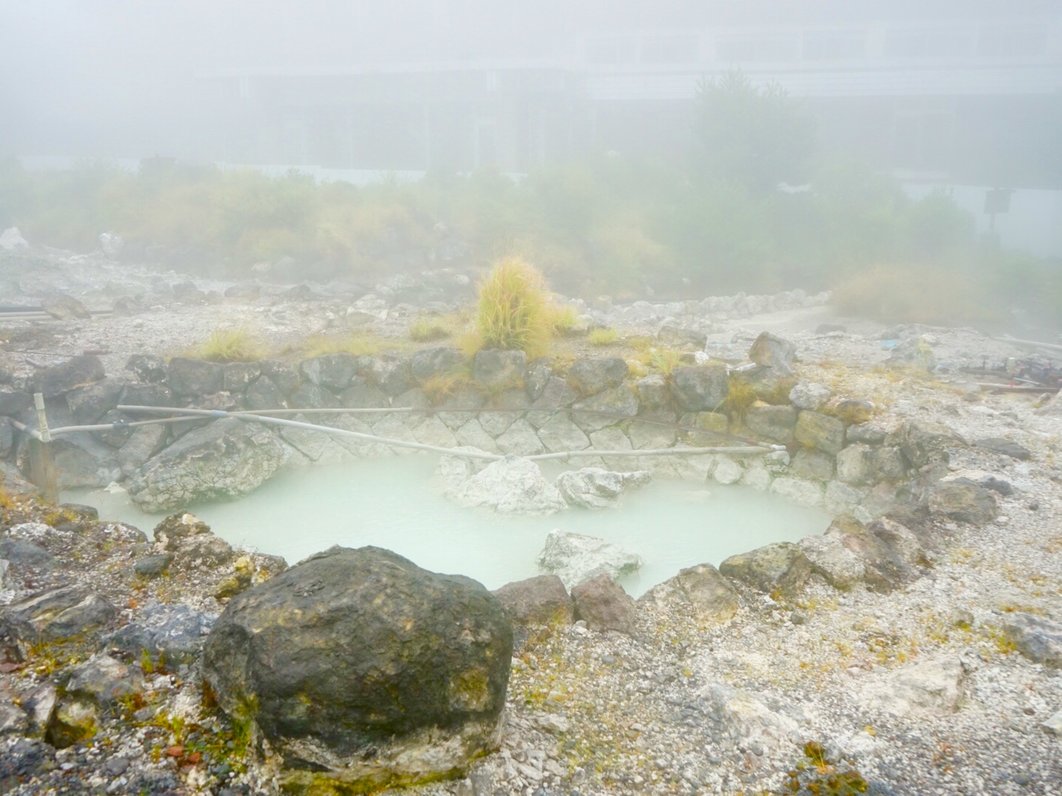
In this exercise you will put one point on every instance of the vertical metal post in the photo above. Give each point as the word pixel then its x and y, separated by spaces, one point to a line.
pixel 42 467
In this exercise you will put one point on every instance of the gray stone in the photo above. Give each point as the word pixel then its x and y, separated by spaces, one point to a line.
pixel 496 368
pixel 89 403
pixel 653 392
pixel 932 687
pixel 780 569
pixel 538 375
pixel 605 408
pixel 153 566
pixel 236 377
pixel 75 372
pixel 819 432
pixel 727 470
pixel 594 487
pixel 1005 447
pixel 13 719
pixel 330 371
pixel 194 377
pixel 747 721
pixel 575 557
pixel 913 354
pixel 171 634
pixel 541 600
pixel 775 423
pixel 591 376
pixel 149 368
pixel 700 388
pixel 143 443
pixel 104 680
pixel 23 554
pixel 704 429
pixel 148 395
pixel 832 560
pixel 14 402
pixel 1037 638
pixel 472 435
pixel 773 352
pixel 854 464
pixel 871 433
pixel 82 461
pixel 512 486
pixel 393 375
pixel 812 464
pixel 62 613
pixel 700 593
pixel 809 395
pixel 604 605
pixel 924 443
pixel 226 459
pixel 559 433
pixel 653 430
pixel 965 502
pixel 439 361
pixel 806 493
pixel 359 667
pixel 520 439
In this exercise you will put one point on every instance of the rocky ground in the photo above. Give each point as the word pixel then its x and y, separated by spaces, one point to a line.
pixel 947 685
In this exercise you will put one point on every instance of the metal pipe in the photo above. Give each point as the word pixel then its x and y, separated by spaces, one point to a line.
pixel 340 432
pixel 737 449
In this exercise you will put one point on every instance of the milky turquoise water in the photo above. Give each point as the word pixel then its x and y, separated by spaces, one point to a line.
pixel 394 503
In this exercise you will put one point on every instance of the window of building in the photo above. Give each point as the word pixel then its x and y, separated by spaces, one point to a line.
pixel 1010 42
pixel 669 49
pixel 928 43
pixel 611 50
pixel 834 45
pixel 756 49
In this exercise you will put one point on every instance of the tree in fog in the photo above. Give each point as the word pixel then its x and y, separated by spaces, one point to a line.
pixel 753 136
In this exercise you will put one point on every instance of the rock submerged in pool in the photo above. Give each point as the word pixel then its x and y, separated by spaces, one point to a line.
pixel 225 459
pixel 364 670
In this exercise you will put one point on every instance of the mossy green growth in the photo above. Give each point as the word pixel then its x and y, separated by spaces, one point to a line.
pixel 817 775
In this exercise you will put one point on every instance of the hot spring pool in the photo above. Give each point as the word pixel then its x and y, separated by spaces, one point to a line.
pixel 395 503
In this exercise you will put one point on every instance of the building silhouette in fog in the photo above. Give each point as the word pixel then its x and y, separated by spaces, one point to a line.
pixel 969 94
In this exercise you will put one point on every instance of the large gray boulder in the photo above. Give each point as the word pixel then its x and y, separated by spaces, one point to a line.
pixel 774 352
pixel 511 485
pixel 575 557
pixel 225 459
pixel 699 388
pixel 597 488
pixel 604 605
pixel 362 669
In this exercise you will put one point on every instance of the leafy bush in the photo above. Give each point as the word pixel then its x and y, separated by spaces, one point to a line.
pixel 513 309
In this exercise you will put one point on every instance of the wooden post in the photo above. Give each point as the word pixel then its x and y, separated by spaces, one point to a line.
pixel 42 467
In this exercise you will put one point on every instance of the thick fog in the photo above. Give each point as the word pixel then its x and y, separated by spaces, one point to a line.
pixel 197 78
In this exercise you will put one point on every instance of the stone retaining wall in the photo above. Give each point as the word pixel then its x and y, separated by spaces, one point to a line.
pixel 836 455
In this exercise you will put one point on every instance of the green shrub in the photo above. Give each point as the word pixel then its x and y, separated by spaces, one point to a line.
pixel 905 294
pixel 513 309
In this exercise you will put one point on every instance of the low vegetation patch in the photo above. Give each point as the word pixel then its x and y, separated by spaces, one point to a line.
pixel 513 309
pixel 602 336
pixel 230 345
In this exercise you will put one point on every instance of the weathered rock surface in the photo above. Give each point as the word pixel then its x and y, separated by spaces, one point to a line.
pixel 62 613
pixel 699 592
pixel 78 371
pixel 700 388
pixel 780 568
pixel 1037 638
pixel 965 502
pixel 574 557
pixel 604 605
pixel 591 376
pixel 361 668
pixel 932 687
pixel 541 600
pixel 512 486
pixel 595 487
pixel 226 459
pixel 774 352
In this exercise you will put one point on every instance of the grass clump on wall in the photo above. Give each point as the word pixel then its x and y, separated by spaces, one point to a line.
pixel 513 309
pixel 230 345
